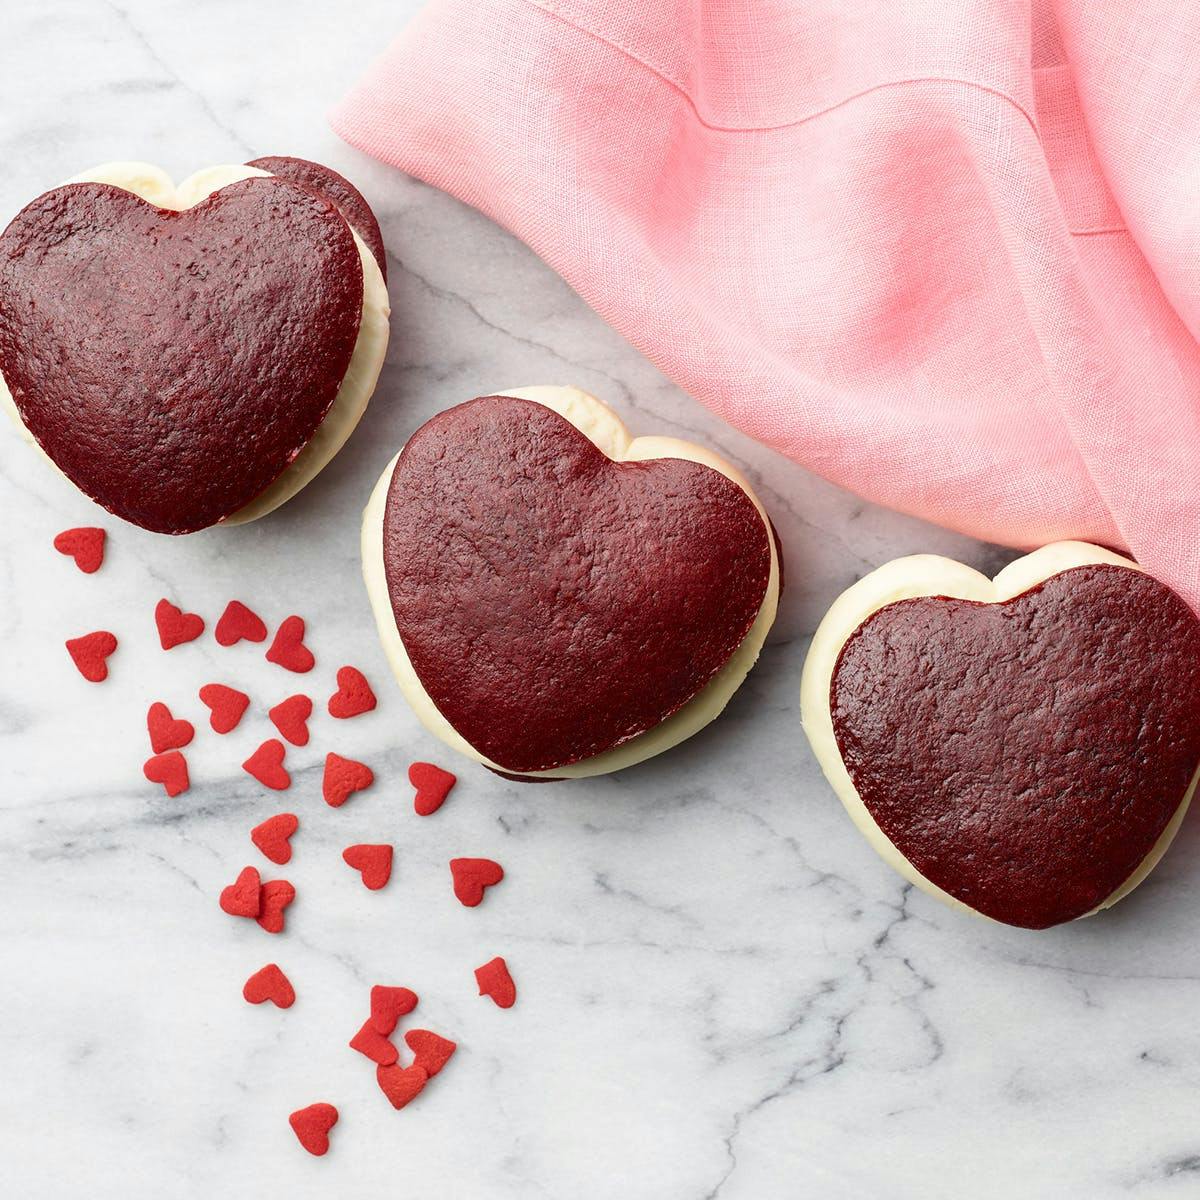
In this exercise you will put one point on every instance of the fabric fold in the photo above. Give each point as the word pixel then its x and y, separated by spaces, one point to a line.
pixel 888 240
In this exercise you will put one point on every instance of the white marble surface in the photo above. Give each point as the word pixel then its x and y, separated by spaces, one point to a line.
pixel 722 991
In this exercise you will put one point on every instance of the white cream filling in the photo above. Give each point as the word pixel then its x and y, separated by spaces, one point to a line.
pixel 155 186
pixel 931 575
pixel 605 430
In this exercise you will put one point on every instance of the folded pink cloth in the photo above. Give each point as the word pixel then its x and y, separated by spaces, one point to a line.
pixel 945 253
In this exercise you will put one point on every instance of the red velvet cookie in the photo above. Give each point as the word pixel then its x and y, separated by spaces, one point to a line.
pixel 335 187
pixel 175 362
pixel 553 601
pixel 1026 756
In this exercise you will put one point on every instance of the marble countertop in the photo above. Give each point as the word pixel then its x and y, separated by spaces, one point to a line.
pixel 723 992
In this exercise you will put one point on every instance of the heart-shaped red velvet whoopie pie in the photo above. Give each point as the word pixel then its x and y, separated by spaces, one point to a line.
pixel 555 603
pixel 1025 756
pixel 174 363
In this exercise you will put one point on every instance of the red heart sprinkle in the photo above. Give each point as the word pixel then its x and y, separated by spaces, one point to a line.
pixel 269 983
pixel 472 875
pixel 228 705
pixel 312 1126
pixel 288 649
pixel 495 981
pixel 85 545
pixel 401 1084
pixel 433 786
pixel 388 1005
pixel 275 896
pixel 170 770
pixel 290 717
pixel 369 1041
pixel 90 652
pixel 266 765
pixel 243 897
pixel 271 837
pixel 176 626
pixel 342 777
pixel 430 1051
pixel 166 733
pixel 372 862
pixel 354 695
pixel 238 623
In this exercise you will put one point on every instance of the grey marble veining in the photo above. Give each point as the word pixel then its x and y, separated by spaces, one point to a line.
pixel 723 993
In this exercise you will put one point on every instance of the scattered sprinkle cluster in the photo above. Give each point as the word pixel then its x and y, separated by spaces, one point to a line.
pixel 249 896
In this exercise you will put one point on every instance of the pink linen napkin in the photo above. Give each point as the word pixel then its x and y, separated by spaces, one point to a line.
pixel 944 252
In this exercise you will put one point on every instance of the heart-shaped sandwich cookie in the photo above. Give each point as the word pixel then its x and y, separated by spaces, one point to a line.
pixel 556 598
pixel 195 354
pixel 1024 747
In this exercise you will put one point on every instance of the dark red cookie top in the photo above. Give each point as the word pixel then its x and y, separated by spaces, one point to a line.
pixel 174 363
pixel 554 603
pixel 337 188
pixel 1025 756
